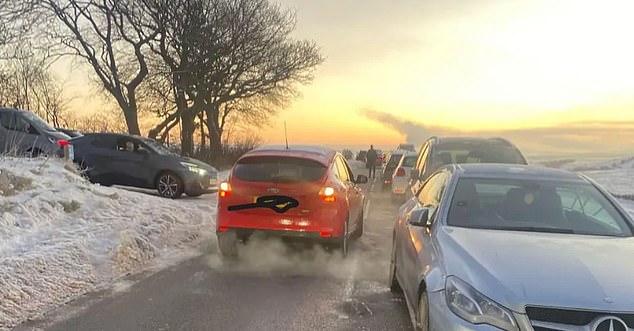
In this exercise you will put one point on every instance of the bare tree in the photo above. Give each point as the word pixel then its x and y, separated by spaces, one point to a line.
pixel 228 57
pixel 26 83
pixel 107 35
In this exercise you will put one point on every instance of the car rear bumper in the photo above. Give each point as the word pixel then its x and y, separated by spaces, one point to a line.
pixel 399 186
pixel 328 221
pixel 293 235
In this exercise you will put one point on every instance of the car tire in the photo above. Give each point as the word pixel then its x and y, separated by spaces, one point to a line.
pixel 358 232
pixel 228 244
pixel 169 185
pixel 395 287
pixel 344 241
pixel 422 316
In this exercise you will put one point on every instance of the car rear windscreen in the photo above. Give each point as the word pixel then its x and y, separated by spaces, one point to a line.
pixel 410 161
pixel 464 152
pixel 276 169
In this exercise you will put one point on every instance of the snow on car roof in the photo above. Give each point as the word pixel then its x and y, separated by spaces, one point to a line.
pixel 317 153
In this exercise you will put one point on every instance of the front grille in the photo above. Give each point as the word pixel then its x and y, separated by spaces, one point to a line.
pixel 572 317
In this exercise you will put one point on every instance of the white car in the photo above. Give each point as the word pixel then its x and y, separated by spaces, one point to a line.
pixel 401 176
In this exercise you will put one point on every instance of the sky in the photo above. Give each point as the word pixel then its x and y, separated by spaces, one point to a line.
pixel 552 76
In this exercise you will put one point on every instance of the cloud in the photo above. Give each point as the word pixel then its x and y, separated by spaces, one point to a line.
pixel 569 138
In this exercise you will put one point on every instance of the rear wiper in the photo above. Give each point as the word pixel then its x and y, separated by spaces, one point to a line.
pixel 535 229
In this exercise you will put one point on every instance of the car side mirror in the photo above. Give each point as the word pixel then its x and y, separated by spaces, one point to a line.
pixel 361 179
pixel 419 217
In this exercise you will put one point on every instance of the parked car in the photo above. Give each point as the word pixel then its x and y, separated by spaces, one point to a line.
pixel 511 247
pixel 69 132
pixel 24 133
pixel 120 159
pixel 362 156
pixel 401 175
pixel 393 159
pixel 328 199
pixel 439 151
pixel 406 147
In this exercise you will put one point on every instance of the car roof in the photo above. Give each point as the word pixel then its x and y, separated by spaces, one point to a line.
pixel 472 140
pixel 113 135
pixel 17 110
pixel 320 154
pixel 514 171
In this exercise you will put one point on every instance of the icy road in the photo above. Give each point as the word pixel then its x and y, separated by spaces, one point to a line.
pixel 273 288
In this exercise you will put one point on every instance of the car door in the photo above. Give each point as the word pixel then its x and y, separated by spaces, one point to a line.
pixel 129 162
pixel 356 194
pixel 348 188
pixel 417 239
pixel 95 154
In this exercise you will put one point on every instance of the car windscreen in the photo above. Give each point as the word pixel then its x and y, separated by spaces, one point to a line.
pixel 409 161
pixel 158 147
pixel 535 205
pixel 466 152
pixel 276 169
pixel 37 121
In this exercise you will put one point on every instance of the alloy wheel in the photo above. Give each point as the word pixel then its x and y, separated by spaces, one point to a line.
pixel 168 186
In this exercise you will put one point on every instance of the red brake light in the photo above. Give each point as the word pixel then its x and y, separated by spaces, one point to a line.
pixel 327 194
pixel 400 172
pixel 325 234
pixel 224 189
pixel 223 228
pixel 63 143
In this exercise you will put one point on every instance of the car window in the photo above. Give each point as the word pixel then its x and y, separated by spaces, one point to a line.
pixel 586 205
pixel 535 205
pixel 23 125
pixel 429 195
pixel 127 145
pixel 342 170
pixel 7 120
pixel 278 169
pixel 470 152
pixel 36 121
pixel 409 161
pixel 105 142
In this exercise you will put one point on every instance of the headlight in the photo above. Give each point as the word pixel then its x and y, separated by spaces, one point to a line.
pixel 475 308
pixel 194 168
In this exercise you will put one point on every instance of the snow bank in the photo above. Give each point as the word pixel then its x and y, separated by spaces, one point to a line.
pixel 61 236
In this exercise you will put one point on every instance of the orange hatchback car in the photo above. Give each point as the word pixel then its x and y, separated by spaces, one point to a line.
pixel 304 192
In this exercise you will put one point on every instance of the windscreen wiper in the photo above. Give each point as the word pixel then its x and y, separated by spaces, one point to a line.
pixel 278 203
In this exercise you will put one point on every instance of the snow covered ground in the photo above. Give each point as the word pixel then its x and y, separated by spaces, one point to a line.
pixel 61 236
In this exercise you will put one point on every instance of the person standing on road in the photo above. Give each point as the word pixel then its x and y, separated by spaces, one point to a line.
pixel 371 158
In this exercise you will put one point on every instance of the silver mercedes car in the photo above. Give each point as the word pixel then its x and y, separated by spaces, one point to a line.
pixel 511 247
